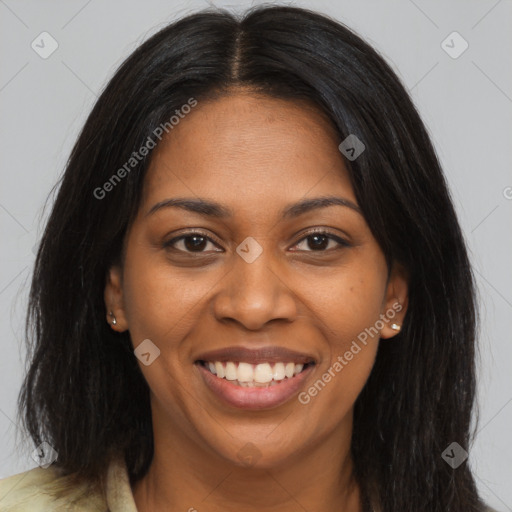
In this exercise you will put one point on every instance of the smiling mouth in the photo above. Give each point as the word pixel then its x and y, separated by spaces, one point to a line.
pixel 249 375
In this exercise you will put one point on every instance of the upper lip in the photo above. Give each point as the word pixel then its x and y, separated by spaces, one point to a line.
pixel 269 354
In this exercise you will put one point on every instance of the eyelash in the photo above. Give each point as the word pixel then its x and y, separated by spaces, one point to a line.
pixel 319 231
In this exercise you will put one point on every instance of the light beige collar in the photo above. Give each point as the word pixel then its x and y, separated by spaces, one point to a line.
pixel 118 490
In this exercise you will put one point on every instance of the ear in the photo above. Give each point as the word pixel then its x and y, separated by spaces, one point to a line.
pixel 395 302
pixel 114 299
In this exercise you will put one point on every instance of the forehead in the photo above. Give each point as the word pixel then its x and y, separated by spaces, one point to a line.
pixel 245 145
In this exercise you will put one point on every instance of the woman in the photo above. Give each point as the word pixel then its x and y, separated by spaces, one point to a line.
pixel 253 291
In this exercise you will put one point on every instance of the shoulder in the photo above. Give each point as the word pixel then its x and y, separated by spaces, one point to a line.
pixel 47 490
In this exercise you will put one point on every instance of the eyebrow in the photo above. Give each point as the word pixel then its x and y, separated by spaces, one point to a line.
pixel 213 209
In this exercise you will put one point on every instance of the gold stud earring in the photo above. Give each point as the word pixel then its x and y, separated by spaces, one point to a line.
pixel 396 327
pixel 114 321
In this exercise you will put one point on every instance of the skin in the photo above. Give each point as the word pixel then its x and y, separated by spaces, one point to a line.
pixel 255 155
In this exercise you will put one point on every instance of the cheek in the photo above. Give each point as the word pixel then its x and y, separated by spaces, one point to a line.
pixel 336 386
pixel 160 305
pixel 160 300
pixel 349 309
pixel 347 301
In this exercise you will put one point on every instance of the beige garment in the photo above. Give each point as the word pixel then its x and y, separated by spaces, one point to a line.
pixel 36 490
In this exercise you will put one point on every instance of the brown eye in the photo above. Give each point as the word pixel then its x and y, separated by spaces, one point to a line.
pixel 318 241
pixel 190 242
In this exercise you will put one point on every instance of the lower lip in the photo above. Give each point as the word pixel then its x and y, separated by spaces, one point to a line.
pixel 255 397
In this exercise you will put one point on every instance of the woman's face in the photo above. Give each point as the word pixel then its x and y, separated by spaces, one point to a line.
pixel 253 279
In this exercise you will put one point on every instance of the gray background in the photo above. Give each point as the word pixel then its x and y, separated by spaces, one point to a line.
pixel 466 103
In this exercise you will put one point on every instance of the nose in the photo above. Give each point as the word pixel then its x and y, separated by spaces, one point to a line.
pixel 254 294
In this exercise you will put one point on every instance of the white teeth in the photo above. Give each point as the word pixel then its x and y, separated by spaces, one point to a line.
pixel 279 373
pixel 219 367
pixel 231 372
pixel 263 373
pixel 255 384
pixel 245 373
pixel 250 375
